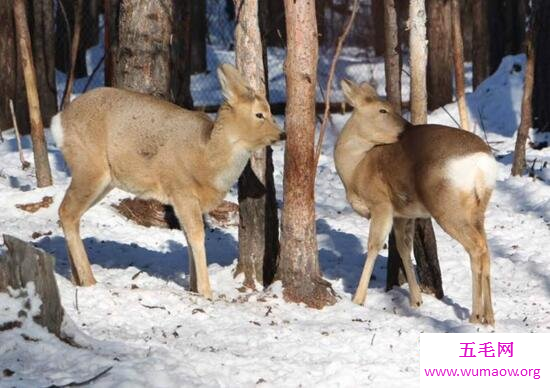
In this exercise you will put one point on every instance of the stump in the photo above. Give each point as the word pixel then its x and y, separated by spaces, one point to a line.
pixel 24 263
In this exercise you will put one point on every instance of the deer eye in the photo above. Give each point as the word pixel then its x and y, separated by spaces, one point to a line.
pixel 383 111
pixel 260 115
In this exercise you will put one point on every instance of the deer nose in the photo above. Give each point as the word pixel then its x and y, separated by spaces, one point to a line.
pixel 282 136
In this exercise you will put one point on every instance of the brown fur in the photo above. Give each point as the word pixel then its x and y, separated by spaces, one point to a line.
pixel 393 171
pixel 155 149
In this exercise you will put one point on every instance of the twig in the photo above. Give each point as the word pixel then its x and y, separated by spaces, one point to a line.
pixel 76 299
pixel 337 52
pixel 86 382
pixel 91 77
pixel 24 163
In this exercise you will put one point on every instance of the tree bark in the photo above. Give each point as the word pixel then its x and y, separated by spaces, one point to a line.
pixel 181 55
pixel 275 31
pixel 480 42
pixel 143 58
pixel 75 42
pixel 198 36
pixel 541 92
pixel 526 123
pixel 24 263
pixel 377 14
pixel 41 162
pixel 458 56
pixel 440 81
pixel 392 67
pixel 298 263
pixel 43 29
pixel 8 64
pixel 424 240
pixel 258 222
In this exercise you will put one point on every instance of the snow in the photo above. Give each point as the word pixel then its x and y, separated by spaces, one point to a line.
pixel 141 320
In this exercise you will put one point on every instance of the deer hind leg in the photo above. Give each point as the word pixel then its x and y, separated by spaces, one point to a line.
pixel 380 227
pixel 190 217
pixel 404 234
pixel 469 233
pixel 82 194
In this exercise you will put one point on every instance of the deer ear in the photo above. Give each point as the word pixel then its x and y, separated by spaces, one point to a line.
pixel 368 90
pixel 351 91
pixel 233 85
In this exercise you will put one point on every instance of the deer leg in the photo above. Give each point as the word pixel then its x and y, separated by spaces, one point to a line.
pixel 81 195
pixel 192 270
pixel 404 234
pixel 380 228
pixel 488 314
pixel 190 216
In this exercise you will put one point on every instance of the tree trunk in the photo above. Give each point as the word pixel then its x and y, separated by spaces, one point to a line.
pixel 541 93
pixel 392 66
pixel 424 240
pixel 275 31
pixel 75 42
pixel 377 15
pixel 143 58
pixel 480 42
pixel 24 263
pixel 181 55
pixel 526 103
pixel 458 56
pixel 8 64
pixel 198 36
pixel 64 22
pixel 440 80
pixel 41 162
pixel 43 29
pixel 298 263
pixel 258 222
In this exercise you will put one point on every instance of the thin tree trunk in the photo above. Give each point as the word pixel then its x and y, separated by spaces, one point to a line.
pixel 181 55
pixel 377 14
pixel 74 52
pixel 8 64
pixel 480 55
pixel 526 107
pixel 198 36
pixel 108 23
pixel 425 251
pixel 41 162
pixel 458 56
pixel 440 80
pixel 392 66
pixel 258 223
pixel 143 60
pixel 298 263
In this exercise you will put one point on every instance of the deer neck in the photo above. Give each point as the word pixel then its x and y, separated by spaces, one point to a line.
pixel 227 155
pixel 349 151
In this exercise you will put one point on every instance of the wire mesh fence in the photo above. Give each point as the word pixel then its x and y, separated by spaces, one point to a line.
pixel 212 43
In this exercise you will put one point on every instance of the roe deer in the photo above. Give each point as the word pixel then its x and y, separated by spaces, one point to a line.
pixel 155 149
pixel 394 172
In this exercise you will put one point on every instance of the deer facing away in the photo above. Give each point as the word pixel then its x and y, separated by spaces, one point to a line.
pixel 155 149
pixel 394 172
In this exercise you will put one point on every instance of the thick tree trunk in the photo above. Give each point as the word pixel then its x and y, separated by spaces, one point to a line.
pixel 23 264
pixel 526 123
pixel 143 58
pixel 377 13
pixel 8 64
pixel 41 162
pixel 392 66
pixel 440 80
pixel 258 222
pixel 458 57
pixel 541 93
pixel 198 36
pixel 298 263
pixel 181 55
pixel 43 29
pixel 424 245
pixel 480 42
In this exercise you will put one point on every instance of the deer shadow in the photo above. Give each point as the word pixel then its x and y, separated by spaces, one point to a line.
pixel 170 265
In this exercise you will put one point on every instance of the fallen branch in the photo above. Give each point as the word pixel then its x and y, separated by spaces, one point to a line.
pixel 24 163
pixel 337 52
pixel 86 382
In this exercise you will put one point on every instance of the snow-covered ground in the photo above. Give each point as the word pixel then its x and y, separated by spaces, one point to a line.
pixel 142 322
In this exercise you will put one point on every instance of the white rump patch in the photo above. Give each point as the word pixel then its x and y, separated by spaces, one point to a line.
pixel 57 129
pixel 473 171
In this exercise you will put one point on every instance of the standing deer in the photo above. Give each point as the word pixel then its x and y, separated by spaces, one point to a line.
pixel 394 172
pixel 155 149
